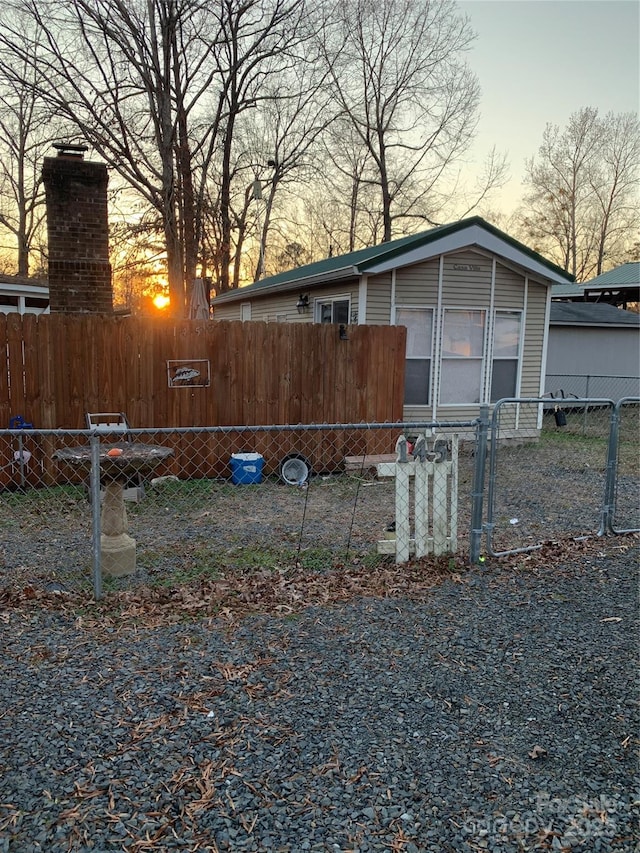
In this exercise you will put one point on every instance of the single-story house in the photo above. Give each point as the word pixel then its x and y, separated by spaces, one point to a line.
pixel 23 296
pixel 475 303
pixel 619 286
pixel 594 350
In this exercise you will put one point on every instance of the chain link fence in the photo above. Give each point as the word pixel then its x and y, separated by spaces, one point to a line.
pixel 577 476
pixel 624 505
pixel 587 385
pixel 184 504
pixel 202 503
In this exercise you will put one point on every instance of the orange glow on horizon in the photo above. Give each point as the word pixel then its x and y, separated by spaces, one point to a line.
pixel 161 301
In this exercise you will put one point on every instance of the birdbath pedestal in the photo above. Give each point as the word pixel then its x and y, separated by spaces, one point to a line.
pixel 117 548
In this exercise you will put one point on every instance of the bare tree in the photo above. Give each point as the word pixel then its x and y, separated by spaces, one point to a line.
pixel 398 76
pixel 582 204
pixel 284 143
pixel 26 127
pixel 119 72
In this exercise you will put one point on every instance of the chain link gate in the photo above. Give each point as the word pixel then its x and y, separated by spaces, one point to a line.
pixel 559 468
pixel 623 493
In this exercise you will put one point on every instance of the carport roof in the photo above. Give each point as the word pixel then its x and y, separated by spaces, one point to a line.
pixel 626 277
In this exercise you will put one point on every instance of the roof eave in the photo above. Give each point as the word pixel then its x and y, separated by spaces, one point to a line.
pixel 286 286
pixel 478 235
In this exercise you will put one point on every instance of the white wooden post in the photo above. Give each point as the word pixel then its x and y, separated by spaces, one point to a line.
pixel 435 485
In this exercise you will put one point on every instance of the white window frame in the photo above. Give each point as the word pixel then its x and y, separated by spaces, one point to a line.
pixel 326 300
pixel 482 357
pixel 517 358
pixel 423 357
pixel 245 311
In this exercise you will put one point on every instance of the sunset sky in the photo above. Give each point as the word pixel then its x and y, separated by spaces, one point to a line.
pixel 540 60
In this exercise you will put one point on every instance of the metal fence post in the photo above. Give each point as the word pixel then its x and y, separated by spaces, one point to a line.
pixel 94 486
pixel 608 506
pixel 478 483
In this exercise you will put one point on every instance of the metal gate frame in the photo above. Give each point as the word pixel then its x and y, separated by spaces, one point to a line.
pixel 489 433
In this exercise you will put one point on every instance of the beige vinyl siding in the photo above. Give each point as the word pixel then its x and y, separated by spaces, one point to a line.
pixel 282 306
pixel 444 413
pixel 466 280
pixel 228 311
pixel 379 300
pixel 533 339
pixel 267 308
pixel 509 292
pixel 418 284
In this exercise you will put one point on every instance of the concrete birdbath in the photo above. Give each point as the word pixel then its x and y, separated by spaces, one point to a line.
pixel 118 463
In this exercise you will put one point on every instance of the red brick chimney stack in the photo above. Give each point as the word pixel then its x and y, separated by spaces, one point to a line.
pixel 78 231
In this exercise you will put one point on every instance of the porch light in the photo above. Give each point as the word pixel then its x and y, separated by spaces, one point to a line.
pixel 303 303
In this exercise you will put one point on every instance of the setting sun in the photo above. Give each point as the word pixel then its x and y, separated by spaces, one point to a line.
pixel 160 300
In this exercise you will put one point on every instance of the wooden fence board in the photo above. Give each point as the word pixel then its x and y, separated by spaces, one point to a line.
pixel 61 366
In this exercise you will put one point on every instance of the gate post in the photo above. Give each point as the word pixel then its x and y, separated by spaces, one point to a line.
pixel 608 505
pixel 477 493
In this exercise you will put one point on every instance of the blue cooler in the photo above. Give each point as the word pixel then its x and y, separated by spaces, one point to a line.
pixel 246 468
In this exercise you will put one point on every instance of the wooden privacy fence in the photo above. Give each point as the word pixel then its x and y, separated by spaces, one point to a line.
pixel 166 374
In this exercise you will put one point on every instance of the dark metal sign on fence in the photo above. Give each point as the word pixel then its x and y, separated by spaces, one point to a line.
pixel 188 373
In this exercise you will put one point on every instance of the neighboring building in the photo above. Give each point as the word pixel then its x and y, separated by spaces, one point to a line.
pixel 594 350
pixel 475 303
pixel 23 296
pixel 620 286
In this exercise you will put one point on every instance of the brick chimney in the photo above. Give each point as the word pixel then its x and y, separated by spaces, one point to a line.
pixel 78 231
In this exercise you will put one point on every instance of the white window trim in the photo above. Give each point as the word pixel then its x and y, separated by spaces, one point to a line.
pixel 487 355
pixel 362 301
pixel 520 354
pixel 433 309
pixel 323 300
pixel 483 358
pixel 437 341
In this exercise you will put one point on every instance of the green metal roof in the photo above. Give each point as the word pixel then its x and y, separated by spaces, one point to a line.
pixel 622 277
pixel 354 264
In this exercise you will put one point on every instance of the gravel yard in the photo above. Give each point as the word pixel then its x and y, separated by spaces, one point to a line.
pixel 429 708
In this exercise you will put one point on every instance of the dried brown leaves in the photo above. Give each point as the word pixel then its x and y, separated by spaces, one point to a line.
pixel 281 592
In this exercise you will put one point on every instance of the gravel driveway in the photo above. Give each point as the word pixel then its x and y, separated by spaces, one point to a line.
pixel 479 710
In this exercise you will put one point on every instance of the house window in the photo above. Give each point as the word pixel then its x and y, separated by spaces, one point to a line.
pixel 245 311
pixel 333 310
pixel 417 374
pixel 462 349
pixel 506 354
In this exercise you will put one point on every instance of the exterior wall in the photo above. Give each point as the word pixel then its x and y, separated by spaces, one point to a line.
pixel 535 331
pixel 26 299
pixel 228 311
pixel 378 301
pixel 583 359
pixel 509 290
pixel 469 279
pixel 418 284
pixel 589 349
pixel 78 235
pixel 467 283
pixel 281 307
